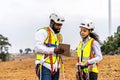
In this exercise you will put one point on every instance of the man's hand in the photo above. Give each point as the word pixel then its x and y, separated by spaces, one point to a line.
pixel 58 50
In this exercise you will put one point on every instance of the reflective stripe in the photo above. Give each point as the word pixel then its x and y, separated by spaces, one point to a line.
pixel 85 58
pixel 41 57
pixel 47 60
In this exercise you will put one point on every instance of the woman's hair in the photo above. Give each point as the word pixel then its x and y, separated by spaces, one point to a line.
pixel 95 36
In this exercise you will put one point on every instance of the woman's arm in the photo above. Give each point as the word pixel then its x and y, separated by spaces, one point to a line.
pixel 96 49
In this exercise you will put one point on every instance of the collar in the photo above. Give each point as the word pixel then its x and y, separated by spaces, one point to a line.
pixel 87 39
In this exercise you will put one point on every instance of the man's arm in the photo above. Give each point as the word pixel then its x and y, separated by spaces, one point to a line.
pixel 40 37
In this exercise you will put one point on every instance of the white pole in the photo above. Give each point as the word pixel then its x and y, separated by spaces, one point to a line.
pixel 109 16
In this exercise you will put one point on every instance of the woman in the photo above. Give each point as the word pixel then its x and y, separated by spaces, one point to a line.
pixel 89 53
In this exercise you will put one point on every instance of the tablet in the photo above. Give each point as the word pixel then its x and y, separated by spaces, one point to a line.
pixel 66 48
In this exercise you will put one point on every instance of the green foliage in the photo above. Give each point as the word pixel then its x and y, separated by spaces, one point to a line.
pixel 21 51
pixel 4 55
pixel 112 43
pixel 27 50
pixel 118 30
pixel 3 42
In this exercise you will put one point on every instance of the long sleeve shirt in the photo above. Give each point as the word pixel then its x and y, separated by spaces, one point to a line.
pixel 40 37
pixel 95 49
pixel 40 47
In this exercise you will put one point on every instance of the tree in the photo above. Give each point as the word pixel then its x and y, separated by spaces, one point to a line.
pixel 4 55
pixel 118 30
pixel 21 51
pixel 3 43
pixel 109 45
pixel 118 36
pixel 112 43
pixel 27 50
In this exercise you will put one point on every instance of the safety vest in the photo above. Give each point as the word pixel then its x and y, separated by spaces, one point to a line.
pixel 51 41
pixel 86 54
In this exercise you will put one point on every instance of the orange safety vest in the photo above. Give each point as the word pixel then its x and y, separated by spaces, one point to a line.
pixel 50 41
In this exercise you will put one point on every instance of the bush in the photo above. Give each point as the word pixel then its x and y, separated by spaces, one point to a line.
pixel 4 56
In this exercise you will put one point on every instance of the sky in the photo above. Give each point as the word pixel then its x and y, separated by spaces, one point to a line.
pixel 19 19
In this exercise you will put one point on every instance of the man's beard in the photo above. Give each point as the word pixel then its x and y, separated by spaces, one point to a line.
pixel 55 30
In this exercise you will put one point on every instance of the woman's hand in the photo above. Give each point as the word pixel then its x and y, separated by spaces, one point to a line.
pixel 85 63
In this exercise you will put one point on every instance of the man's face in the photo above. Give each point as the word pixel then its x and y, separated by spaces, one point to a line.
pixel 56 27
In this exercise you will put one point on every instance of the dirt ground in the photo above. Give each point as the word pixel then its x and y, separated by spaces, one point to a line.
pixel 109 69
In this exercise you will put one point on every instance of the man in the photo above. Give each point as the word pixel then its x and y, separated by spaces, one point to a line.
pixel 47 49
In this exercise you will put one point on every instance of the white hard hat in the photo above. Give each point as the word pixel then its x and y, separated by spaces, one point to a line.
pixel 87 23
pixel 57 18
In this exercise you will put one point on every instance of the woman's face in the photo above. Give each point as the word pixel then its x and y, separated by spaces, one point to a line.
pixel 84 32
